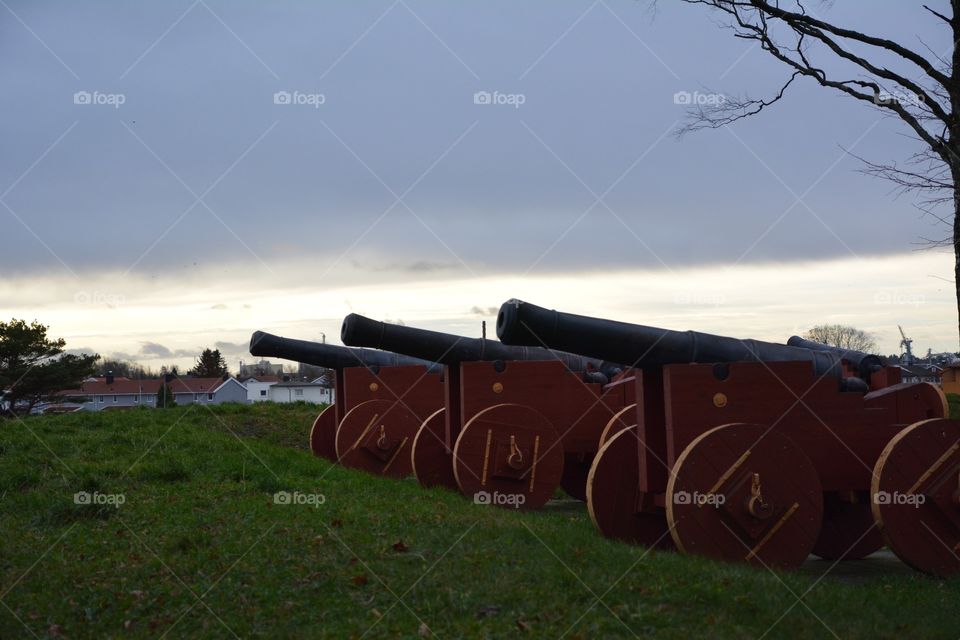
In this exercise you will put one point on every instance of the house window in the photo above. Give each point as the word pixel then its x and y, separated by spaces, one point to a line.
pixel 210 397
pixel 298 392
pixel 136 399
pixel 196 397
pixel 114 398
pixel 263 393
pixel 99 398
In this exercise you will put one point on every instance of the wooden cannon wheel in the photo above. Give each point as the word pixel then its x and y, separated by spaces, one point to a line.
pixel 323 434
pixel 623 419
pixel 376 436
pixel 848 531
pixel 916 493
pixel 430 459
pixel 613 499
pixel 508 455
pixel 746 493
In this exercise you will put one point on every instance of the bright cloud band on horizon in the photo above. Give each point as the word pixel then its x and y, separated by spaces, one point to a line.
pixel 168 320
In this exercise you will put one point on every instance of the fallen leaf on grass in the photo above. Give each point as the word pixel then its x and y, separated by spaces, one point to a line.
pixel 360 580
pixel 522 625
pixel 424 630
pixel 399 547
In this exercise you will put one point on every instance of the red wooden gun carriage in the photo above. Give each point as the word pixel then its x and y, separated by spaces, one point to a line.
pixel 760 452
pixel 517 423
pixel 373 389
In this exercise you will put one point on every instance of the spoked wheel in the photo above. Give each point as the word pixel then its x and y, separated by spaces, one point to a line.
pixel 615 505
pixel 508 455
pixel 848 531
pixel 376 436
pixel 323 434
pixel 431 460
pixel 745 493
pixel 576 468
pixel 623 419
pixel 916 493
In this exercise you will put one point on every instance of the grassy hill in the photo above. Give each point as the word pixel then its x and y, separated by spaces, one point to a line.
pixel 199 548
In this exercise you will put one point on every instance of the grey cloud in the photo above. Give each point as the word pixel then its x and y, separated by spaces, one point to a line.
pixel 155 350
pixel 415 266
pixel 152 350
pixel 498 200
pixel 484 311
pixel 232 348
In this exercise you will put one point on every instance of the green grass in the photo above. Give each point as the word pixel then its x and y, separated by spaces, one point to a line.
pixel 953 400
pixel 199 549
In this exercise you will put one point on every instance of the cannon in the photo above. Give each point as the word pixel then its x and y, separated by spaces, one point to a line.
pixel 763 453
pixel 368 383
pixel 518 421
pixel 329 356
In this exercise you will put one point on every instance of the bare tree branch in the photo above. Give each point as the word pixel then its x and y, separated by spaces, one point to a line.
pixel 928 104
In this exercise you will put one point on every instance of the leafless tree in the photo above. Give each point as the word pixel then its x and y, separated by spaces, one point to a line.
pixel 843 336
pixel 916 85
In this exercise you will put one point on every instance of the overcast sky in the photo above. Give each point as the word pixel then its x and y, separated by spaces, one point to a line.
pixel 178 174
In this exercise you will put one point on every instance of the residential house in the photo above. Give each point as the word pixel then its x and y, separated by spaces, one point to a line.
pixel 315 391
pixel 258 387
pixel 109 393
pixel 920 373
pixel 208 390
pixel 950 378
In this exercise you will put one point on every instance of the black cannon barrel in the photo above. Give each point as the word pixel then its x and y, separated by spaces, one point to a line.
pixel 865 363
pixel 452 349
pixel 637 345
pixel 327 355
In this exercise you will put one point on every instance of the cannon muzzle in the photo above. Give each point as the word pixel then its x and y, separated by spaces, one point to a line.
pixel 865 363
pixel 451 349
pixel 327 355
pixel 522 323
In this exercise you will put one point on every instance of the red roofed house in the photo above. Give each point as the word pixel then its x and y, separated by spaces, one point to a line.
pixel 116 393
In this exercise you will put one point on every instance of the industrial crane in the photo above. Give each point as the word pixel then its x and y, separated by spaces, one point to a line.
pixel 906 345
